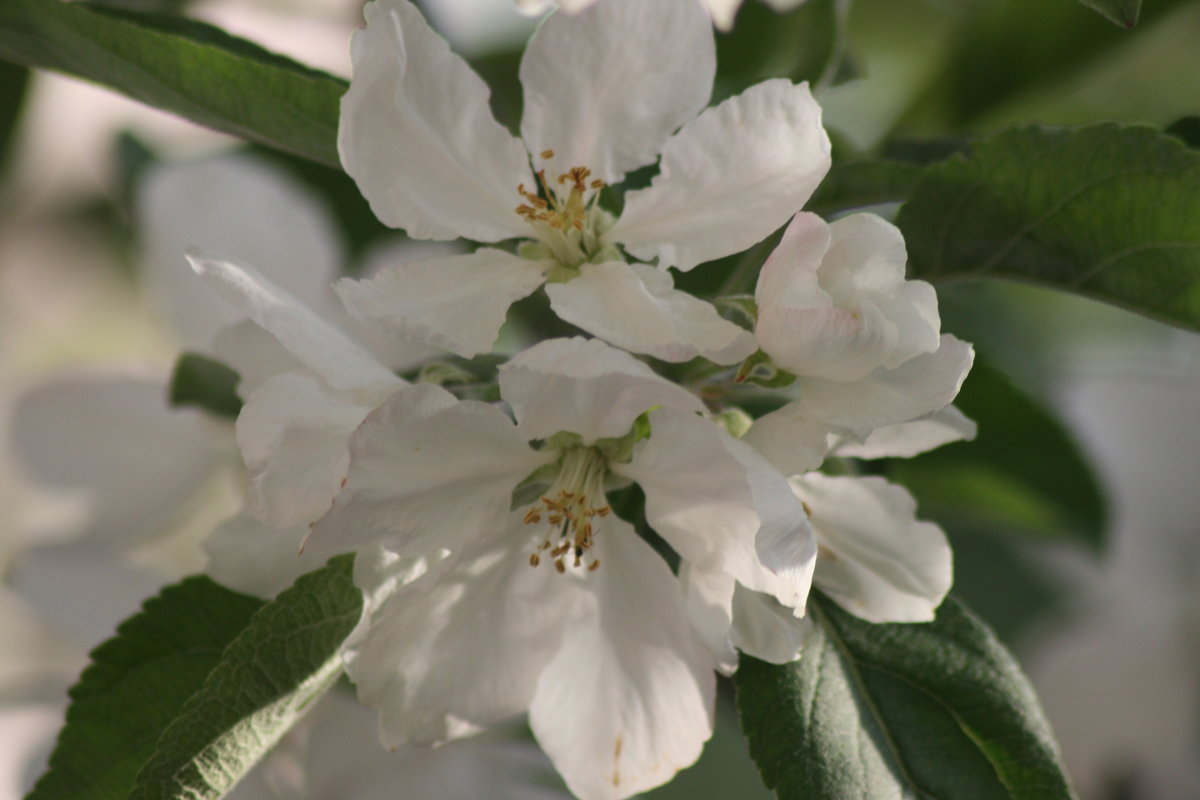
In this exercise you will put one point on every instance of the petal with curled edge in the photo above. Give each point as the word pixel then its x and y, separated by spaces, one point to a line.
pixel 913 390
pixel 628 699
pixel 729 177
pixel 456 302
pixel 427 473
pixel 240 206
pixel 876 559
pixel 585 387
pixel 605 88
pixel 463 646
pixel 637 308
pixel 418 136
pixel 907 439
pixel 320 346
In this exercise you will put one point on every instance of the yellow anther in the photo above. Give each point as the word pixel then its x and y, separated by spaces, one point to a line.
pixel 547 154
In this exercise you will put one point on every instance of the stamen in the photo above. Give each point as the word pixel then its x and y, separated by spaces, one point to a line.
pixel 547 154
pixel 568 508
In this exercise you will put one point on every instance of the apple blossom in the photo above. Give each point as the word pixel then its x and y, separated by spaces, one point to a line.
pixel 874 557
pixel 481 606
pixel 605 92
pixel 862 344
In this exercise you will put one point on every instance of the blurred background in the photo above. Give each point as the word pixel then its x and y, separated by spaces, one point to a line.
pixel 1075 516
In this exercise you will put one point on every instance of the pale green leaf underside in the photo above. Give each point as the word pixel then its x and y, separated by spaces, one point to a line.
pixel 1105 211
pixel 182 66
pixel 937 711
pixel 267 679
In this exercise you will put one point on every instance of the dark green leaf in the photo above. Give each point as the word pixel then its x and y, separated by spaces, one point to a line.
pixel 938 710
pixel 1187 130
pixel 1105 211
pixel 1017 47
pixel 806 44
pixel 182 66
pixel 856 184
pixel 267 679
pixel 1022 475
pixel 14 82
pixel 1123 12
pixel 136 684
pixel 204 383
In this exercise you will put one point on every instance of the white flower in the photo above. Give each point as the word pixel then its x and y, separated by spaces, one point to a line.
pixel 604 91
pixel 721 11
pixel 874 557
pixel 558 606
pixel 863 343
pixel 307 386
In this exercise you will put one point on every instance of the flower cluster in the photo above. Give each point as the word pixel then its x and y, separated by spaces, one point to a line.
pixel 585 539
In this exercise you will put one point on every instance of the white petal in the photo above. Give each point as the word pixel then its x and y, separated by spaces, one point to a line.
pixel 254 354
pixel 866 264
pixel 885 397
pixel 628 700
pixel 709 598
pixel 426 473
pixel 790 275
pixel 452 652
pixel 455 302
pixel 876 559
pixel 710 497
pixel 765 629
pixel 246 555
pixel 605 88
pixel 637 308
pixel 792 442
pixel 239 206
pixel 728 178
pixel 910 438
pixel 320 346
pixel 294 436
pixel 138 460
pixel 586 387
pixel 418 137
pixel 722 12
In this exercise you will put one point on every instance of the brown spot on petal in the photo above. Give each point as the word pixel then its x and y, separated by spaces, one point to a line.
pixel 617 745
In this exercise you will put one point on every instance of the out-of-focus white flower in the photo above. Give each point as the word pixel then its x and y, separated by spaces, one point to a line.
pixel 721 11
pixel 558 606
pixel 334 753
pixel 604 92
pixel 863 343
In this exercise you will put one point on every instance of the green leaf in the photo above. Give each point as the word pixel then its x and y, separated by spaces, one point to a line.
pixel 136 684
pixel 201 382
pixel 1104 211
pixel 856 184
pixel 806 44
pixel 1022 475
pixel 1041 43
pixel 268 678
pixel 937 710
pixel 1123 12
pixel 182 66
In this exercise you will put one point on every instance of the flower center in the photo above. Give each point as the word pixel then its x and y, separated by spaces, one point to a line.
pixel 566 219
pixel 568 507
